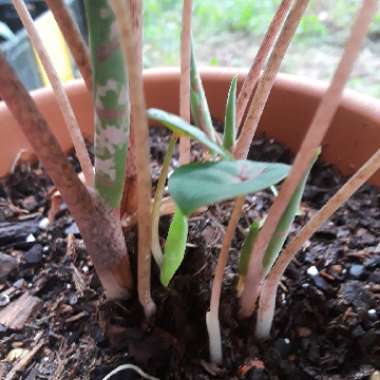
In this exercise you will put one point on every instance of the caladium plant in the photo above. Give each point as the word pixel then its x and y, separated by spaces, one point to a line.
pixel 112 70
pixel 199 184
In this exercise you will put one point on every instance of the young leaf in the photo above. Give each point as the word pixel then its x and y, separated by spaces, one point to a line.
pixel 200 184
pixel 175 246
pixel 246 249
pixel 230 117
pixel 198 101
pixel 287 218
pixel 182 128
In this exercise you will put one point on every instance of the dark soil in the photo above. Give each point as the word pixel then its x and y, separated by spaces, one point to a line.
pixel 327 325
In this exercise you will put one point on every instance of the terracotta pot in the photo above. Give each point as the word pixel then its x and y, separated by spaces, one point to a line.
pixel 353 136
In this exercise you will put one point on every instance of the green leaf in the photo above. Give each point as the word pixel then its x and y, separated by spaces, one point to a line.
pixel 182 128
pixel 175 246
pixel 247 247
pixel 230 117
pixel 199 184
pixel 287 218
pixel 198 101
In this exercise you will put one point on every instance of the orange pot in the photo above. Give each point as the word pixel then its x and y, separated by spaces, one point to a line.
pixel 353 136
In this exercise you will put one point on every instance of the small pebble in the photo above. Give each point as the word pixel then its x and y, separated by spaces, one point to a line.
pixel 45 249
pixel 72 229
pixel 312 271
pixel 372 313
pixel 85 269
pixel 321 283
pixel 30 238
pixel 68 286
pixel 29 203
pixel 73 299
pixel 356 271
pixel 372 262
pixel 337 268
pixel 44 223
pixel 34 254
pixel 4 299
pixel 19 283
pixel 342 234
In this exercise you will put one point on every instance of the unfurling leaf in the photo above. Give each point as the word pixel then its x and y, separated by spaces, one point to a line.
pixel 247 247
pixel 199 107
pixel 287 218
pixel 182 128
pixel 230 117
pixel 175 246
pixel 200 184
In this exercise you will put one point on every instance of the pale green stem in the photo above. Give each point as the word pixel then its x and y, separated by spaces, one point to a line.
pixel 266 82
pixel 315 134
pixel 268 294
pixel 156 247
pixel 212 317
pixel 253 75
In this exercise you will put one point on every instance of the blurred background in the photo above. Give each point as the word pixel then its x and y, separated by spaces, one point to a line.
pixel 226 33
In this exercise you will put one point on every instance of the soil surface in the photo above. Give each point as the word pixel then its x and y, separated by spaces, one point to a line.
pixel 327 323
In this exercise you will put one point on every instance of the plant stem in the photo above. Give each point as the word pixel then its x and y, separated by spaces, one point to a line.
pixel 253 76
pixel 129 20
pixel 129 201
pixel 100 231
pixel 73 39
pixel 61 96
pixel 132 367
pixel 269 290
pixel 212 317
pixel 156 247
pixel 111 100
pixel 184 86
pixel 267 80
pixel 312 140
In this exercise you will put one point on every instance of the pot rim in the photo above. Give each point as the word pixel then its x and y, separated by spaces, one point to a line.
pixel 353 136
pixel 353 99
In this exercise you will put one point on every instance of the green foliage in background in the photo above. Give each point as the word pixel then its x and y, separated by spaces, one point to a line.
pixel 324 19
pixel 224 27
